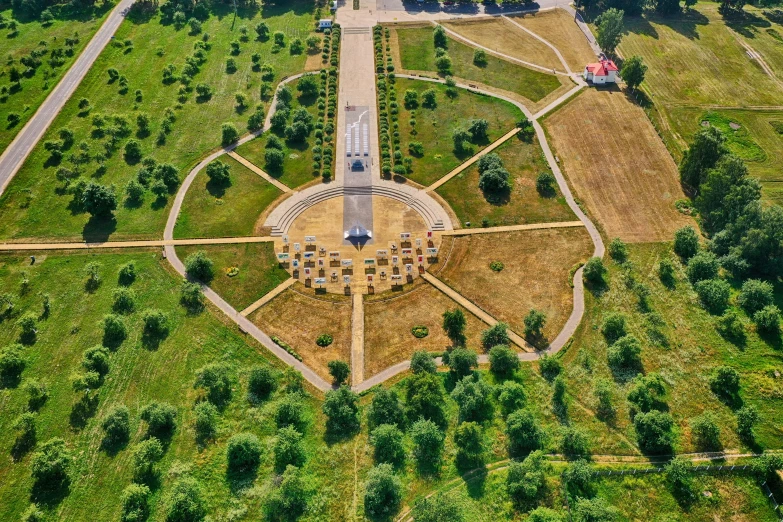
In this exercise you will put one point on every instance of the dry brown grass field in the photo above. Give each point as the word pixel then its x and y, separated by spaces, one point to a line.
pixel 535 274
pixel 559 29
pixel 503 36
pixel 618 166
pixel 387 327
pixel 298 320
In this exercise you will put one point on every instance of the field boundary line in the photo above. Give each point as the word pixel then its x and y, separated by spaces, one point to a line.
pixel 268 297
pixel 512 228
pixel 473 159
pixel 251 166
pixel 11 247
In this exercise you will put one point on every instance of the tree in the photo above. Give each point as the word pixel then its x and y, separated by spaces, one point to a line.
pixel 411 99
pixel 289 412
pixel 288 449
pixel 279 37
pixel 161 419
pixel 544 514
pixel 185 502
pixel 654 432
pixel 260 384
pixel 262 30
pixel 479 58
pixel 545 184
pixel 594 271
pixel 341 407
pixel 725 193
pixel 625 355
pixel 768 320
pixel 755 295
pixel 478 130
pixel 427 443
pixel 339 370
pixel 473 396
pixel 429 99
pixel 243 453
pixel 312 42
pixel 387 439
pixel 577 477
pixel 229 134
pixel 116 426
pixel 273 158
pixel 647 392
pixel 594 510
pixel 706 432
pixel 156 324
pixel 525 480
pixel 678 476
pixel 462 361
pixel 422 362
pixel 132 152
pixel 206 420
pixel 37 394
pixel 633 70
pixel 747 418
pixel 495 335
pixel 461 137
pixel 11 365
pixel 523 433
pixel 550 367
pixel 28 325
pixel 424 398
pixel 145 454
pixel 618 251
pixel 535 321
pixel 494 182
pixel 511 397
pixel 438 508
pixel 714 294
pixel 134 501
pixel 574 442
pixel 725 382
pixel 383 492
pixel 603 395
pixel 96 359
pixel 454 326
pixel 703 265
pixel 26 434
pixel 199 266
pixel 308 85
pixel 470 445
pixel 503 361
pixel 385 408
pixel 707 148
pixel 610 29
pixel 218 172
pixel 215 380
pixel 613 327
pixel 290 500
pixel 114 330
pixel 439 37
pixel 99 200
pixel 51 466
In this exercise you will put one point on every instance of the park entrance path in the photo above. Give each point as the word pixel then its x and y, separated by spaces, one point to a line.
pixel 512 228
pixel 268 297
pixel 357 339
pixel 16 153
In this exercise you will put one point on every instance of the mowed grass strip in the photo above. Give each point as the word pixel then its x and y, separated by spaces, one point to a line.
pixel 138 374
pixel 504 37
pixel 434 126
pixel 522 204
pixel 259 272
pixel 297 166
pixel 535 274
pixel 312 317
pixel 210 210
pixel 417 53
pixel 695 59
pixel 387 327
pixel 618 166
pixel 559 28
pixel 28 37
pixel 35 199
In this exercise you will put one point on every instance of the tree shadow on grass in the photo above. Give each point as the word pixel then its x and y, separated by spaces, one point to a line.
pixel 745 24
pixel 83 410
pixel 772 339
pixel 112 447
pixel 217 189
pixel 239 481
pixel 50 495
pixel 152 341
pixel 99 228
pixel 22 446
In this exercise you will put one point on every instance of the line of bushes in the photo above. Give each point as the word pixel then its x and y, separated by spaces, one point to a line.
pixel 391 155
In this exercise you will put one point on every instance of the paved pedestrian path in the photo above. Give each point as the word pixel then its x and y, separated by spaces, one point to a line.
pixel 489 148
pixel 11 247
pixel 258 171
pixel 512 228
pixel 357 339
pixel 472 308
pixel 279 289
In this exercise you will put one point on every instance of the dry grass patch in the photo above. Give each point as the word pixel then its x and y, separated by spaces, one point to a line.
pixel 504 37
pixel 618 166
pixel 387 327
pixel 535 273
pixel 558 28
pixel 299 320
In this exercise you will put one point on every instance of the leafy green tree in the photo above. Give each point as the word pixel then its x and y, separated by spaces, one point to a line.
pixel 666 272
pixel 618 251
pixel 260 384
pixel 544 514
pixel 610 29
pixel 424 398
pixel 273 159
pixel 96 359
pixel 614 327
pixel 28 324
pixel 12 364
pixel 243 453
pixel 51 466
pixel 262 30
pixel 124 300
pixel 427 443
pixel 206 421
pixel 550 367
pixel 289 449
pixel 678 476
pixel 706 432
pixel 422 362
pixel 411 99
pixel 37 394
pixel 135 504
pixel 625 355
pixel 385 408
pixel 215 380
pixel 99 200
pixel 461 139
pixel 654 432
pixel 462 361
pixel 387 439
pixel 747 418
pixel 479 57
pixel 145 455
pixel 494 182
pixel 439 37
pixel 478 129
pixel 429 99
pixel 383 493
pixel 703 265
pixel 438 508
pixel 185 502
pixel 725 194
pixel 523 432
pixel 26 434
pixel 229 134
pixel 341 407
pixel 290 500
pixel 132 152
pixel 161 419
pixel 218 172
pixel 339 370
pixel 116 426
pixel 755 295
pixel 495 335
pixel 594 271
pixel 707 148
pixel 574 442
pixel 603 393
pixel 470 445
pixel 594 510
pixel 768 320
pixel 114 330
pixel 526 480
pixel 156 324
pixel 473 396
pixel 647 393
pixel 545 183
pixel 633 70
pixel 503 361
pixel 578 476
pixel 725 383
pixel 511 397
pixel 199 266
pixel 714 294
pixel 535 320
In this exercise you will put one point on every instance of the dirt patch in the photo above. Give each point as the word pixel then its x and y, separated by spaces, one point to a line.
pixel 299 320
pixel 387 327
pixel 618 165
pixel 536 266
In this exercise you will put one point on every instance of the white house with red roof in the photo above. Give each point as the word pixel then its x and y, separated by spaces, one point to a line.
pixel 601 72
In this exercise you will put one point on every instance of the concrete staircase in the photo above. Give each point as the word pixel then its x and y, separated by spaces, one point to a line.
pixel 281 218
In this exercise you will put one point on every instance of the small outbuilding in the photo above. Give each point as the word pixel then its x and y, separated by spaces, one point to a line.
pixel 601 72
pixel 324 23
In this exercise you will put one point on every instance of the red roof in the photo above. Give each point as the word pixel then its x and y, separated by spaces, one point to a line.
pixel 601 68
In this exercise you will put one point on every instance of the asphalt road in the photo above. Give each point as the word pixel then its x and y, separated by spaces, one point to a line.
pixel 14 156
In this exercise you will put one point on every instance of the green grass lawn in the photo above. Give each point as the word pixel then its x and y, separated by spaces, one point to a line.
pixel 259 271
pixel 522 204
pixel 298 163
pixel 28 37
pixel 434 126
pixel 35 198
pixel 417 53
pixel 680 341
pixel 218 211
pixel 139 374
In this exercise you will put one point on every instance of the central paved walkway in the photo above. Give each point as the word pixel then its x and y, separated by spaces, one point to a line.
pixel 357 339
